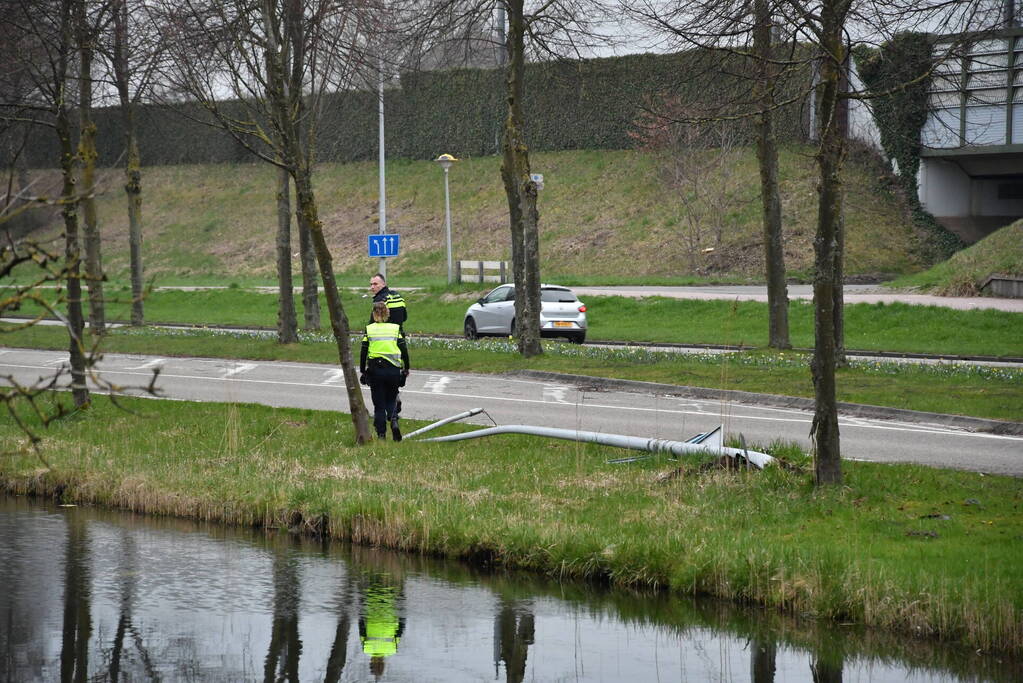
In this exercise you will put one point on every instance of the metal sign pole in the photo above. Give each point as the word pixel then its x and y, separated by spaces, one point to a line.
pixel 383 187
pixel 447 224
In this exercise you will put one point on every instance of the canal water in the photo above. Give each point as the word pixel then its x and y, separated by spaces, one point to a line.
pixel 94 595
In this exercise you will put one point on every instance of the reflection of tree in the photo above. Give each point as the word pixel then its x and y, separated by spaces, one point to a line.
pixel 128 571
pixel 74 651
pixel 285 645
pixel 339 650
pixel 825 669
pixel 513 634
pixel 762 660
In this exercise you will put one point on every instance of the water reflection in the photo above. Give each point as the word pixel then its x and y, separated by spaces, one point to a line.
pixel 100 596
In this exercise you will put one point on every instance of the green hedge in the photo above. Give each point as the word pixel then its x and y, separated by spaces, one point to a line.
pixel 582 104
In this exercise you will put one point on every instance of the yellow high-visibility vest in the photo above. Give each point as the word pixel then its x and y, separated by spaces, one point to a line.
pixel 383 342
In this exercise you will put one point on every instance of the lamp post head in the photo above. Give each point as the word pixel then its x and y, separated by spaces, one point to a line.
pixel 445 161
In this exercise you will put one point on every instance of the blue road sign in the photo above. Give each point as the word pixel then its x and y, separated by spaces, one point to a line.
pixel 382 246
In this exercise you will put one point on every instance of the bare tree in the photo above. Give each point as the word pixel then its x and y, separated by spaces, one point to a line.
pixel 548 29
pixel 738 71
pixel 278 58
pixel 42 273
pixel 89 18
pixel 820 34
pixel 696 159
pixel 764 95
pixel 133 49
pixel 44 55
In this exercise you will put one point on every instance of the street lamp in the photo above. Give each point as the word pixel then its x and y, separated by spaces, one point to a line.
pixel 445 161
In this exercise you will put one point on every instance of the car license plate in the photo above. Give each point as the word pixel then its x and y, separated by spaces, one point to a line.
pixel 562 323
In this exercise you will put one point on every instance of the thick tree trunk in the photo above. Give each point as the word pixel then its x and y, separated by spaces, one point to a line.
pixel 133 164
pixel 521 192
pixel 87 158
pixel 287 326
pixel 830 156
pixel 767 156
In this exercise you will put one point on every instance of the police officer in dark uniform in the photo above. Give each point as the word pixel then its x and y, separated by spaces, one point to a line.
pixel 398 315
pixel 395 303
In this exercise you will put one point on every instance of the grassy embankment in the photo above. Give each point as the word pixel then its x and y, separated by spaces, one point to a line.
pixel 606 217
pixel 964 273
pixel 918 550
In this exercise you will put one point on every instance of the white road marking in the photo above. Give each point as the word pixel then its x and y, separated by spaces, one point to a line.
pixel 156 362
pixel 554 393
pixel 436 384
pixel 334 377
pixel 237 370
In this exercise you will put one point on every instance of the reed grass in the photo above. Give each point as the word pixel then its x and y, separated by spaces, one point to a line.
pixel 901 547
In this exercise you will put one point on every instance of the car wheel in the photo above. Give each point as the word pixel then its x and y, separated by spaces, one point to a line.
pixel 577 338
pixel 470 329
pixel 511 332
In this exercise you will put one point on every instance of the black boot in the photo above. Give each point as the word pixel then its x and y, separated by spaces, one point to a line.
pixel 395 432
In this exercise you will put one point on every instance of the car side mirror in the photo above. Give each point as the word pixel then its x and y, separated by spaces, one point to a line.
pixel 481 302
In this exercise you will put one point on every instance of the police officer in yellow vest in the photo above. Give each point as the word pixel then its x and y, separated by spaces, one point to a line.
pixel 384 365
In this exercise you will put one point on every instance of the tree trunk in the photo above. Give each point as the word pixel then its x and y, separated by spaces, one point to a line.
pixel 824 671
pixel 767 156
pixel 763 654
pixel 287 326
pixel 291 156
pixel 830 156
pixel 69 212
pixel 521 192
pixel 338 320
pixel 842 122
pixel 310 288
pixel 87 158
pixel 133 163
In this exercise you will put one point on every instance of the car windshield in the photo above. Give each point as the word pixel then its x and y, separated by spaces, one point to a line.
pixel 559 295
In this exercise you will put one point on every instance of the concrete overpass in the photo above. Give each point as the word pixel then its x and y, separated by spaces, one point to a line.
pixel 971 172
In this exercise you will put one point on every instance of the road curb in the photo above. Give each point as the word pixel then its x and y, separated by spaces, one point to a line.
pixel 973 424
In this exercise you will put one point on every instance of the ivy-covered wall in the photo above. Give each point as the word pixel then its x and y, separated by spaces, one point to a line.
pixel 585 104
pixel 898 74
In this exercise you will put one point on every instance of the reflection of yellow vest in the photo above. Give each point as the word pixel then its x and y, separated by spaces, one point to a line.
pixel 381 639
pixel 383 342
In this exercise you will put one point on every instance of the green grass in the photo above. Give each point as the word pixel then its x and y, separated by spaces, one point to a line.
pixel 868 327
pixel 916 550
pixel 964 273
pixel 605 216
pixel 995 393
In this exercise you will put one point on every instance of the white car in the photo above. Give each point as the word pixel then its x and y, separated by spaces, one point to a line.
pixel 561 314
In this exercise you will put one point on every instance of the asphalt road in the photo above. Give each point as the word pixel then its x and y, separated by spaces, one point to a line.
pixel 515 400
pixel 852 294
